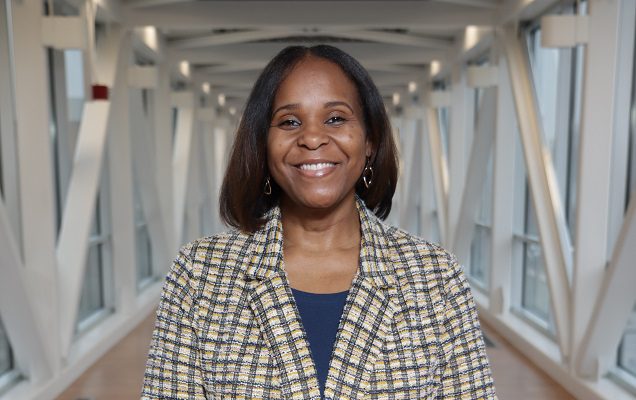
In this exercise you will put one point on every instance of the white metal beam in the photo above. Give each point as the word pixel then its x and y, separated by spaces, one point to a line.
pixel 16 307
pixel 460 113
pixel 35 163
pixel 613 305
pixel 300 14
pixel 544 188
pixel 233 38
pixel 439 167
pixel 72 247
pixel 120 164
pixel 503 194
pixel 396 38
pixel 181 165
pixel 163 136
pixel 145 169
pixel 9 176
pixel 365 52
pixel 601 87
pixel 473 3
pixel 475 174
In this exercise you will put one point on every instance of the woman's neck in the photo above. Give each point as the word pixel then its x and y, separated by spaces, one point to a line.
pixel 323 229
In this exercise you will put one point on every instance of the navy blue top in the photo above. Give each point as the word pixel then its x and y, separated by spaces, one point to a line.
pixel 320 315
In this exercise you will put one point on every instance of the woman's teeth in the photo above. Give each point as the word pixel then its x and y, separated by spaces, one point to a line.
pixel 315 167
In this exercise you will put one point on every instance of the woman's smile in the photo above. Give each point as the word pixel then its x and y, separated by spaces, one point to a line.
pixel 316 169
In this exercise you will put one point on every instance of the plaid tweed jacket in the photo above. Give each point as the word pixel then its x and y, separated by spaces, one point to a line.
pixel 228 327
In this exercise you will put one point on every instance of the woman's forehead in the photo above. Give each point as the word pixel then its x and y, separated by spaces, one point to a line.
pixel 315 76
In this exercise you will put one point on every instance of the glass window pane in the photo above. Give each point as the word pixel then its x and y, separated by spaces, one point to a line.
pixel 92 299
pixel 557 75
pixel 627 348
pixel 6 355
pixel 144 254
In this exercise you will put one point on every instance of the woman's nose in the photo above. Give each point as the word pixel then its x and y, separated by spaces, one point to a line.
pixel 313 135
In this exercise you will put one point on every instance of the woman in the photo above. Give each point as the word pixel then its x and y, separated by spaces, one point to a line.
pixel 311 295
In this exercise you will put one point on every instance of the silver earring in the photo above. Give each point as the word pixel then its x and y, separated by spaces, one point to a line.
pixel 367 176
pixel 268 187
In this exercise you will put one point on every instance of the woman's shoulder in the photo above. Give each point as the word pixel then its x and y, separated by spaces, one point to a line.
pixel 402 241
pixel 216 254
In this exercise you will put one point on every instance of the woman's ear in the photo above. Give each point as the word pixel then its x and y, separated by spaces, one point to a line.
pixel 368 148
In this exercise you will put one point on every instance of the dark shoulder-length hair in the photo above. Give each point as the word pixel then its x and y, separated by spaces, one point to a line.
pixel 243 202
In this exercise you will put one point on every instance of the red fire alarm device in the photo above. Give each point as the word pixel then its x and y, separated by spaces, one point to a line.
pixel 100 92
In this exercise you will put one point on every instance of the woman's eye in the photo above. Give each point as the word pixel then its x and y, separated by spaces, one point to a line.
pixel 288 123
pixel 336 120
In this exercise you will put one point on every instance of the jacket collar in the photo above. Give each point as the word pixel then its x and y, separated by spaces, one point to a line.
pixel 375 254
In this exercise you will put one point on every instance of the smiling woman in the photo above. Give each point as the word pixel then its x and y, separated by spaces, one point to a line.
pixel 311 295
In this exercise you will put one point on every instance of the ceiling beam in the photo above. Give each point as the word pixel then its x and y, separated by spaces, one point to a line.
pixel 396 38
pixel 490 4
pixel 230 38
pixel 303 14
pixel 366 53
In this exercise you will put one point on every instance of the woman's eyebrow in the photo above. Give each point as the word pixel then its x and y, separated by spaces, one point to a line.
pixel 293 106
pixel 338 103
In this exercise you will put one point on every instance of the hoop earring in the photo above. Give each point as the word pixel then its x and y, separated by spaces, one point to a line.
pixel 268 187
pixel 367 176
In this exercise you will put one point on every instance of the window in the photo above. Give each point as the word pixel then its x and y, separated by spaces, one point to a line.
pixel 67 89
pixel 480 248
pixel 626 357
pixel 530 280
pixel 96 298
pixel 627 349
pixel 68 93
pixel 6 355
pixel 557 75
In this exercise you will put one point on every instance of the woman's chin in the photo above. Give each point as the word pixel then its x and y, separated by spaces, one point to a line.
pixel 321 201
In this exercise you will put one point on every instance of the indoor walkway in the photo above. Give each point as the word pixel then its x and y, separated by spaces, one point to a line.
pixel 119 373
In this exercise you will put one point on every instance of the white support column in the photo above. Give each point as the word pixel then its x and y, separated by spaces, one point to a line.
pixel 72 245
pixel 144 170
pixel 613 306
pixel 121 177
pixel 35 165
pixel 475 176
pixel 459 115
pixel 164 152
pixel 601 86
pixel 429 226
pixel 16 307
pixel 181 161
pixel 622 117
pixel 194 188
pixel 8 131
pixel 208 143
pixel 410 174
pixel 503 195
pixel 439 169
pixel 544 188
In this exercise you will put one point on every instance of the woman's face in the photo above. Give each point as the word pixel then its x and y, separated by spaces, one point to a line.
pixel 316 145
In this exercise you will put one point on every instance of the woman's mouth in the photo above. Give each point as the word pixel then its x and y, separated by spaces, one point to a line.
pixel 317 169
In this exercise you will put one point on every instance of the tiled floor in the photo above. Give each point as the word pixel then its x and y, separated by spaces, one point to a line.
pixel 119 373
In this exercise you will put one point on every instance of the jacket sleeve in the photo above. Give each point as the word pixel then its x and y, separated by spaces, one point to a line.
pixel 173 369
pixel 466 372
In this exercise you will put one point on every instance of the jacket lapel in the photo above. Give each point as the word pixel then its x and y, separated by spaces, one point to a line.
pixel 368 315
pixel 274 308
